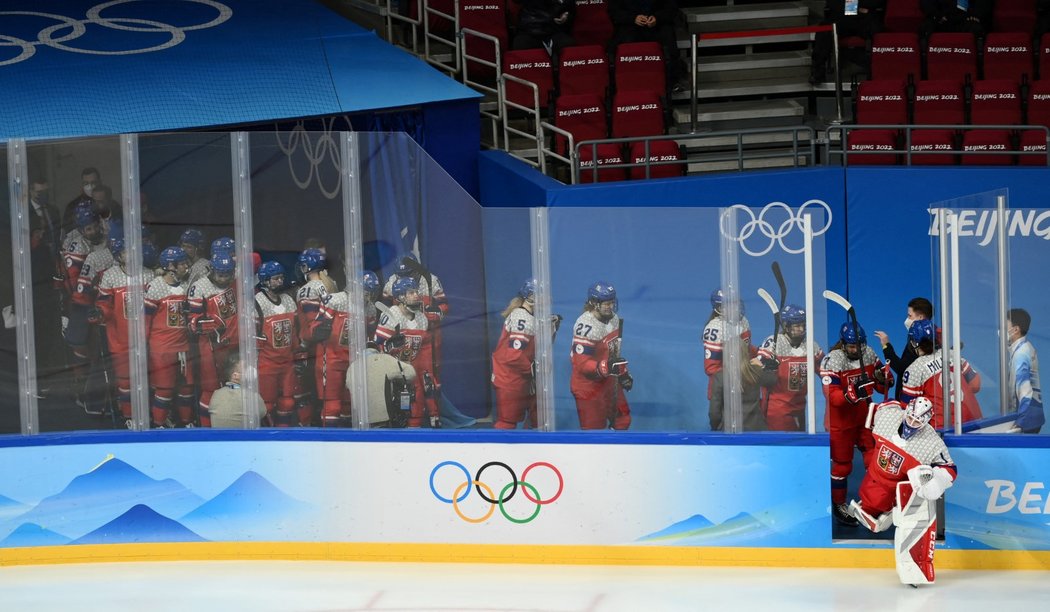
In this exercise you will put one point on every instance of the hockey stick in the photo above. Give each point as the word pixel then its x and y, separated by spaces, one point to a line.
pixel 768 299
pixel 851 313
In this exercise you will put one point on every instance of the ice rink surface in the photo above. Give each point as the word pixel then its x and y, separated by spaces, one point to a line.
pixel 338 586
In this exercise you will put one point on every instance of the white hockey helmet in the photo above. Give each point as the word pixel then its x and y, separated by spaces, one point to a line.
pixel 916 415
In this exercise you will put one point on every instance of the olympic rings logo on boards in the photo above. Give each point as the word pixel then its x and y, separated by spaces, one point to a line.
pixel 486 493
pixel 775 235
pixel 78 27
pixel 319 155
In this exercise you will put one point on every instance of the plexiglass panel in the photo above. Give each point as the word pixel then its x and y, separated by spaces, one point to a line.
pixel 191 304
pixel 662 271
pixel 991 326
pixel 10 419
pixel 423 240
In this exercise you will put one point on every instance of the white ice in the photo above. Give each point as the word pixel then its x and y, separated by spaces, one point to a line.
pixel 283 585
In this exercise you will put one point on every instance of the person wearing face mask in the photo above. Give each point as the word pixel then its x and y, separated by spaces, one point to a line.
pixel 923 377
pixel 599 369
pixel 851 373
pixel 213 317
pixel 919 309
pixel 89 179
pixel 1024 374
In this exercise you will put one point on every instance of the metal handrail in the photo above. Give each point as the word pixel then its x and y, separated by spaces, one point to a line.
pixel 843 152
pixel 453 43
pixel 497 117
pixel 798 153
pixel 389 12
pixel 534 115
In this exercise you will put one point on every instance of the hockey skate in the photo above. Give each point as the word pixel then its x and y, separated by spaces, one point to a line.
pixel 842 515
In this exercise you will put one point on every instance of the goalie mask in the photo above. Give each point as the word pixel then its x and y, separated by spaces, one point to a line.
pixel 406 292
pixel 916 416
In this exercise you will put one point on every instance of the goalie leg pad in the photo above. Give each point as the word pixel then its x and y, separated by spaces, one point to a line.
pixel 915 538
pixel 874 524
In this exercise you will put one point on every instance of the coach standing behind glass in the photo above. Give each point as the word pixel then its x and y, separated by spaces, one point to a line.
pixel 1024 374
pixel 918 309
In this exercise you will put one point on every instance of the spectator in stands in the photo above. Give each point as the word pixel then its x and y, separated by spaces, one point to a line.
pixel 863 19
pixel 544 23
pixel 648 21
pixel 946 16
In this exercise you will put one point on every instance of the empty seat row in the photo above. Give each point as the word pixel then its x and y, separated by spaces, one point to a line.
pixel 1007 16
pixel 951 55
pixel 585 70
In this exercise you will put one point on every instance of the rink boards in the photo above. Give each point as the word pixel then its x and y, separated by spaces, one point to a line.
pixel 745 500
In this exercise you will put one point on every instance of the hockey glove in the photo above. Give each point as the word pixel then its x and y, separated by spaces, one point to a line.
pixel 859 391
pixel 321 331
pixel 770 363
pixel 204 325
pixel 433 309
pixel 626 382
pixel 936 486
pixel 612 367
pixel 395 342
pixel 94 316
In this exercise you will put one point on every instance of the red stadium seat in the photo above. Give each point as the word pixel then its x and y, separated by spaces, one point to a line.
pixel 592 25
pixel 660 152
pixel 871 140
pixel 895 55
pixel 583 69
pixel 1038 114
pixel 640 67
pixel 995 102
pixel 936 103
pixel 607 154
pixel 1013 16
pixel 878 103
pixel 488 17
pixel 582 115
pixel 1008 55
pixel 637 113
pixel 882 102
pixel 532 65
pixel 902 16
pixel 951 56
pixel 1044 56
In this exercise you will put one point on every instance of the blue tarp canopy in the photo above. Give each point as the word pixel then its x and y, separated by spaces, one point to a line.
pixel 84 67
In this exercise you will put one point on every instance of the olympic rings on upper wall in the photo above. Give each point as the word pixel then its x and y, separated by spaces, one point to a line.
pixel 68 29
pixel 486 492
pixel 777 235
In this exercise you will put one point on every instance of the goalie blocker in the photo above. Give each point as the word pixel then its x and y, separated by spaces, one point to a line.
pixel 912 469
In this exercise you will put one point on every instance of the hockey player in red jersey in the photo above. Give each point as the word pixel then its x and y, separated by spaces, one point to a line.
pixel 112 304
pixel 923 377
pixel 370 284
pixel 435 304
pixel 311 265
pixel 331 333
pixel 851 373
pixel 599 370
pixel 403 333
pixel 168 338
pixel 786 402
pixel 277 342
pixel 513 375
pixel 713 338
pixel 911 470
pixel 213 318
pixel 192 241
pixel 78 244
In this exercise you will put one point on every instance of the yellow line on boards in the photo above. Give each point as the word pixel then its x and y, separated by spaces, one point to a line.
pixel 498 553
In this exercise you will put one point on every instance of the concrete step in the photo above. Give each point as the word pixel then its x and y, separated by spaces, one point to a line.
pixel 718 162
pixel 750 141
pixel 746 16
pixel 744 114
pixel 753 66
pixel 759 87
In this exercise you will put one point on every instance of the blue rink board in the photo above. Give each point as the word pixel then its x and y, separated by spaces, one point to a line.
pixel 233 62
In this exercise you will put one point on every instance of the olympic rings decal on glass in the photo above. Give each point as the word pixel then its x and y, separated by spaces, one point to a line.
pixel 319 155
pixel 78 27
pixel 486 493
pixel 777 235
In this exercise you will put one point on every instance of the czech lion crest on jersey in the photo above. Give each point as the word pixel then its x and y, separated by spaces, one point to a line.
pixel 176 314
pixel 225 304
pixel 411 348
pixel 281 333
pixel 797 375
pixel 890 461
